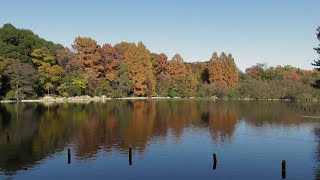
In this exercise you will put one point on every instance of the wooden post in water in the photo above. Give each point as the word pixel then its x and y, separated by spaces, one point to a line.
pixel 69 156
pixel 284 169
pixel 214 161
pixel 130 156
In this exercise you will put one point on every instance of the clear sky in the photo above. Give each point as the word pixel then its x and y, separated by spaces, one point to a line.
pixel 277 32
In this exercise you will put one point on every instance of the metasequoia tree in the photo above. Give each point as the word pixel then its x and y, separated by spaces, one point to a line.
pixel 177 69
pixel 137 60
pixel 223 70
pixel 89 54
pixel 111 61
pixel 183 79
pixel 215 68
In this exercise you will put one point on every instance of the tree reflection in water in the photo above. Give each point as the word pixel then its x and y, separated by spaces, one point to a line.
pixel 317 152
pixel 37 130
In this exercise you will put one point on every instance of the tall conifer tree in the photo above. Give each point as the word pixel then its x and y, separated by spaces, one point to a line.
pixel 316 63
pixel 137 59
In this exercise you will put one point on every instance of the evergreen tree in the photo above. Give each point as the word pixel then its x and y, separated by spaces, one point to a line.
pixel 316 63
pixel 121 84
pixel 20 43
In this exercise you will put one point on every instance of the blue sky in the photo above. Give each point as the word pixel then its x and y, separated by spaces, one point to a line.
pixel 277 32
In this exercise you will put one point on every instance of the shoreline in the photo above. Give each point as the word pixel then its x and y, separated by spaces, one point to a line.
pixel 88 99
pixel 79 99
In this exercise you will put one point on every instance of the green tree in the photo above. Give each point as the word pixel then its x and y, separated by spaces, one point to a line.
pixel 5 85
pixel 50 72
pixel 50 76
pixel 316 63
pixel 104 88
pixel 121 84
pixel 42 55
pixel 73 85
pixel 20 43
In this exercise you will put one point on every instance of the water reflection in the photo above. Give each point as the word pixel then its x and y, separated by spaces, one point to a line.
pixel 37 131
pixel 317 152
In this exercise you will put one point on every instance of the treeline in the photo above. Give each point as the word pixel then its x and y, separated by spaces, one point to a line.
pixel 31 67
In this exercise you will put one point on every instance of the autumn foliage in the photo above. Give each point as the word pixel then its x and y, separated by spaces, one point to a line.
pixel 223 70
pixel 137 59
pixel 130 69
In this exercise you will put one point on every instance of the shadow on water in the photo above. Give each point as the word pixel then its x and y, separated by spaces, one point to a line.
pixel 5 116
pixel 37 131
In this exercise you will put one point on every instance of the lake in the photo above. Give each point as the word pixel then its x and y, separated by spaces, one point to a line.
pixel 169 139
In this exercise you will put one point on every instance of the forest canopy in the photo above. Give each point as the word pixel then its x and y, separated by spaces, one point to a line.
pixel 32 67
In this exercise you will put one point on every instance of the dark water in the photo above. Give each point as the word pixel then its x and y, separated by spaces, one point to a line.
pixel 170 139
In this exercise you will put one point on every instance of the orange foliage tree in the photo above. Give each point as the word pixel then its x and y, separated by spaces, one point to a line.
pixel 111 61
pixel 223 70
pixel 89 55
pixel 182 75
pixel 137 59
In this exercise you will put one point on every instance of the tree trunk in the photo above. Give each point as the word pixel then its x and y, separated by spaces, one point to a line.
pixel 17 92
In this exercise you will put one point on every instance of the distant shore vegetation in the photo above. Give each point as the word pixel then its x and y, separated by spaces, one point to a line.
pixel 32 67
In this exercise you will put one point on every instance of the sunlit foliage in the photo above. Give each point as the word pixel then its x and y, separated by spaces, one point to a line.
pixel 32 67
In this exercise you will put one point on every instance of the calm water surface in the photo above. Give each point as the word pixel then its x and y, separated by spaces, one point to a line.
pixel 170 139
